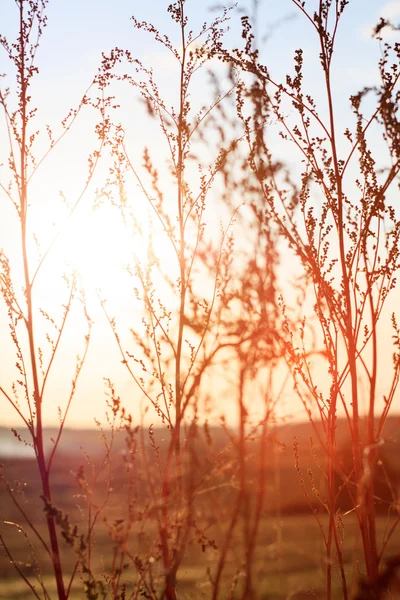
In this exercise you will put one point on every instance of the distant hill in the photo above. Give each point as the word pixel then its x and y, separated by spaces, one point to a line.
pixel 75 440
pixel 283 487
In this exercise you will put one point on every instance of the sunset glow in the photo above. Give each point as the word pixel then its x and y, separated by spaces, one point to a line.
pixel 199 300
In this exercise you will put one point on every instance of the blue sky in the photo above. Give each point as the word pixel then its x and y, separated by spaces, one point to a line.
pixel 78 31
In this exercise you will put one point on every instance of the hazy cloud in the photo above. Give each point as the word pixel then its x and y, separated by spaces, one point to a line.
pixel 391 12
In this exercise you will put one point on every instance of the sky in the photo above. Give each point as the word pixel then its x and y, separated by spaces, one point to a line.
pixel 68 58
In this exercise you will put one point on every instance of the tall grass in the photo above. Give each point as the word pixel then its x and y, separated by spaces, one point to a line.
pixel 214 307
pixel 347 242
pixel 35 359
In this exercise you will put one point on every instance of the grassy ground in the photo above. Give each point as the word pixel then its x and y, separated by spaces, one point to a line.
pixel 289 555
pixel 289 558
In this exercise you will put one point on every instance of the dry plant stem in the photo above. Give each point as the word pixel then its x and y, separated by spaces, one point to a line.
pixel 38 437
pixel 174 508
pixel 350 341
pixel 16 567
pixel 244 493
pixel 259 504
pixel 30 363
pixel 38 573
pixel 332 529
pixel 331 492
pixel 242 507
pixel 175 442
pixel 369 543
pixel 182 262
pixel 364 475
pixel 349 291
pixel 216 583
pixel 26 518
pixel 387 537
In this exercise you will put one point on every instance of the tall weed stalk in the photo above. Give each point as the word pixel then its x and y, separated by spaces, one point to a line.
pixel 29 146
pixel 339 220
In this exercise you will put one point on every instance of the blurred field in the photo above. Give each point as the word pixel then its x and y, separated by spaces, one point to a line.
pixel 287 560
pixel 289 556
